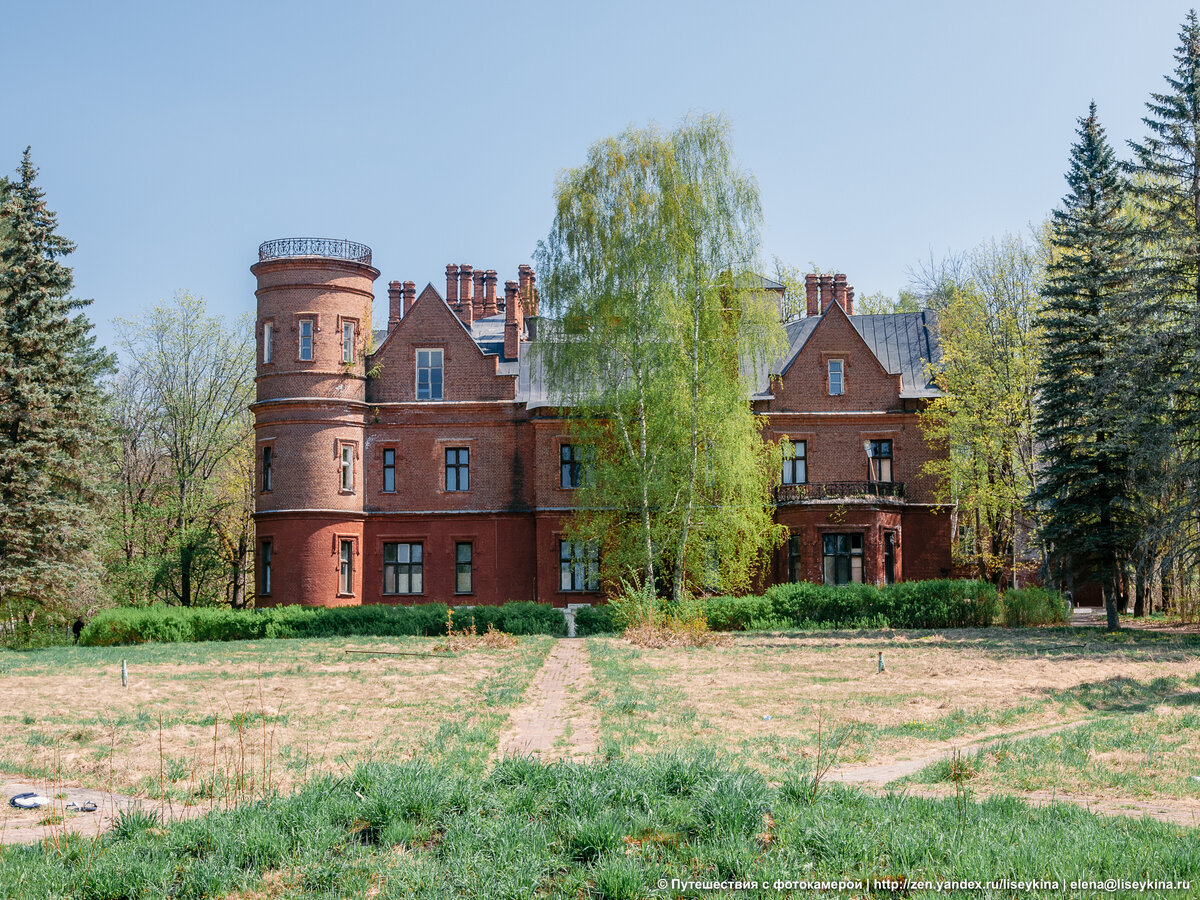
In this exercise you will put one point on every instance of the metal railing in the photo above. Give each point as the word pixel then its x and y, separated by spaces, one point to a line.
pixel 833 490
pixel 330 248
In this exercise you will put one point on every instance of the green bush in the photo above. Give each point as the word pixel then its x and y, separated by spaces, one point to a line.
pixel 1030 606
pixel 750 613
pixel 591 620
pixel 173 624
pixel 942 604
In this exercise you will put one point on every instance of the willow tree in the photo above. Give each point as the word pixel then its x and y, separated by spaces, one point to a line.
pixel 660 333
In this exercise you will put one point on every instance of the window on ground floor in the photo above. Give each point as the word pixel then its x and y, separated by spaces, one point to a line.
pixel 579 565
pixel 795 566
pixel 346 553
pixel 842 555
pixel 463 572
pixel 264 583
pixel 889 556
pixel 403 569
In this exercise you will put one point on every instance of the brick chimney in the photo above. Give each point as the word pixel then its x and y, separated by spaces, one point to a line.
pixel 489 293
pixel 826 291
pixel 410 296
pixel 849 299
pixel 478 295
pixel 452 285
pixel 464 287
pixel 514 321
pixel 839 290
pixel 395 304
pixel 528 291
pixel 812 295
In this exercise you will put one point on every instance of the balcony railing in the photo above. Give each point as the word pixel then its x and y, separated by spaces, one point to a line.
pixel 330 248
pixel 839 490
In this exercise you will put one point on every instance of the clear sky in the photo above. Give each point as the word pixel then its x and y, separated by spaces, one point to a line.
pixel 173 138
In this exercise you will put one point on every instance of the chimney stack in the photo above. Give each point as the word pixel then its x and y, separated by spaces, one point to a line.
pixel 514 321
pixel 478 295
pixel 452 285
pixel 839 290
pixel 826 292
pixel 489 293
pixel 410 296
pixel 464 286
pixel 849 299
pixel 528 291
pixel 395 307
pixel 812 295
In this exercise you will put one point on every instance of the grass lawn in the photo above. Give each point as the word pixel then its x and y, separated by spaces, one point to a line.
pixel 242 717
pixel 762 699
pixel 621 830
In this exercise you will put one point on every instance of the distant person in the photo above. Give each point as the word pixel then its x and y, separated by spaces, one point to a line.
pixel 77 629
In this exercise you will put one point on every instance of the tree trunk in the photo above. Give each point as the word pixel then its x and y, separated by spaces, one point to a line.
pixel 238 600
pixel 185 575
pixel 1166 584
pixel 1139 602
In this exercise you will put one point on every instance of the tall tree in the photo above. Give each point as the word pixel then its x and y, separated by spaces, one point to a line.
pixel 1167 195
pixel 49 397
pixel 1086 490
pixel 190 381
pixel 987 302
pixel 664 333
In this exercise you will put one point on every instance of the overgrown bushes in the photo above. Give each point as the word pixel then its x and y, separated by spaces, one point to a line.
pixel 166 624
pixel 1035 606
pixel 911 604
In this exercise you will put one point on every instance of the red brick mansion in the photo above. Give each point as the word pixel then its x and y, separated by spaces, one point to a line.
pixel 425 463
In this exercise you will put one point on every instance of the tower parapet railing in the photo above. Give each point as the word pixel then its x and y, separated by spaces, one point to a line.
pixel 327 248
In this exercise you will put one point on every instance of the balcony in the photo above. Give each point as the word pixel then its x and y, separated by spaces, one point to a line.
pixel 786 494
pixel 326 248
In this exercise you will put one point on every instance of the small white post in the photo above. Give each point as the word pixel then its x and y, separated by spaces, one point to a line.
pixel 880 660
pixel 124 675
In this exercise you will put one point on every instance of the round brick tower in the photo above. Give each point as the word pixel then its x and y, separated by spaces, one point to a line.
pixel 313 331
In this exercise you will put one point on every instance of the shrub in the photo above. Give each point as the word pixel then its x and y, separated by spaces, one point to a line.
pixel 1034 606
pixel 942 603
pixel 750 613
pixel 593 620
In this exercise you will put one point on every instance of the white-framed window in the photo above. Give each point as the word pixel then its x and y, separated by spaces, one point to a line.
pixel 795 462
pixel 268 345
pixel 347 342
pixel 403 569
pixel 429 374
pixel 579 565
pixel 347 468
pixel 306 339
pixel 836 377
pixel 346 557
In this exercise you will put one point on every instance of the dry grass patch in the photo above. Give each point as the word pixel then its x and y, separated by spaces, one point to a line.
pixel 213 720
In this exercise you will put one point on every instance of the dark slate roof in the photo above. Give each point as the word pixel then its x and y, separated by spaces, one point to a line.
pixel 902 342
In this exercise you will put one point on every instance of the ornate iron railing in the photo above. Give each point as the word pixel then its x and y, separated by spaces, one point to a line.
pixel 833 490
pixel 330 248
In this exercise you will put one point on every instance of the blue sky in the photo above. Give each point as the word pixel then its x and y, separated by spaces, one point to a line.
pixel 174 138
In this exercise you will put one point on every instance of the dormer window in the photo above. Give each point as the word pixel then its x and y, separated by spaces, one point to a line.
pixel 836 381
pixel 347 342
pixel 429 374
pixel 306 340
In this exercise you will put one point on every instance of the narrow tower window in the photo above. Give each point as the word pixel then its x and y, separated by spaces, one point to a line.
pixel 265 568
pixel 266 470
pixel 347 468
pixel 347 567
pixel 389 470
pixel 268 348
pixel 306 339
pixel 347 342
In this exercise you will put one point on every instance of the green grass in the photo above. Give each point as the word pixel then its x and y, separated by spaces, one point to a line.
pixel 612 830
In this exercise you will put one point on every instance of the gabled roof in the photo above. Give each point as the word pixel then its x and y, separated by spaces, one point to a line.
pixel 902 342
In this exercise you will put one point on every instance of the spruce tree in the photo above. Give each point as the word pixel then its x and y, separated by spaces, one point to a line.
pixel 1085 490
pixel 1166 188
pixel 49 413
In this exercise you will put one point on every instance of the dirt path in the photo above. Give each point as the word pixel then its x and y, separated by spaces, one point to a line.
pixel 874 779
pixel 24 826
pixel 882 774
pixel 555 722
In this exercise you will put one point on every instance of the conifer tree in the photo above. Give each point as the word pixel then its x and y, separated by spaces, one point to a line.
pixel 1085 490
pixel 1167 193
pixel 49 412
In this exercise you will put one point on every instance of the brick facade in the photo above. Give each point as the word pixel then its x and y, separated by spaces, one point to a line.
pixel 358 460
